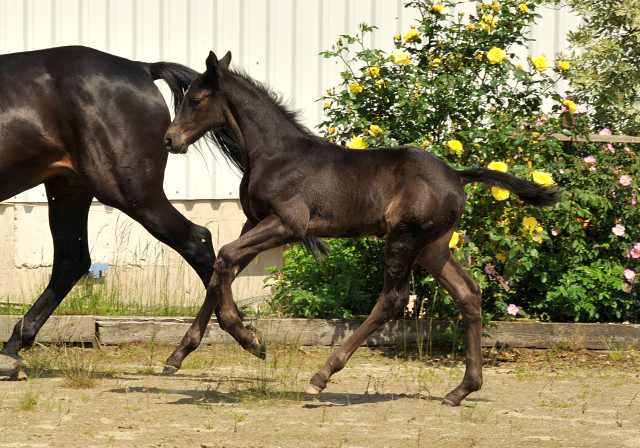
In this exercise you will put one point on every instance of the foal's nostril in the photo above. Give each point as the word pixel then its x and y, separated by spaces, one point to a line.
pixel 168 142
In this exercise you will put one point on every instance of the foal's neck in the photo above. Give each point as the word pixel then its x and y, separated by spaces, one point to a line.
pixel 256 121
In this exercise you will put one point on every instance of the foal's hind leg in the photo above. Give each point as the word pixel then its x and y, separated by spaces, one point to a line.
pixel 466 294
pixel 401 249
pixel 68 210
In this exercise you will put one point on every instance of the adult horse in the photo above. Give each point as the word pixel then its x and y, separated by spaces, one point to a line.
pixel 299 185
pixel 91 125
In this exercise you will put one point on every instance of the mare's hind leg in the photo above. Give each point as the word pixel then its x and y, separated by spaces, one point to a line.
pixel 232 259
pixel 437 259
pixel 68 210
pixel 401 249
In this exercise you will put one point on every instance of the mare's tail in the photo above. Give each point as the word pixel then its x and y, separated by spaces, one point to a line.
pixel 177 76
pixel 530 192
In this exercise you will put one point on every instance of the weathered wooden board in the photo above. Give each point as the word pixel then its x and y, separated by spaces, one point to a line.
pixel 335 331
pixel 329 332
pixel 594 138
pixel 56 329
pixel 546 335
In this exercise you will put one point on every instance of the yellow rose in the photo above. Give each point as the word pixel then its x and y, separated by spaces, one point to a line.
pixel 564 65
pixel 499 194
pixel 397 37
pixel 437 8
pixel 498 166
pixel 540 63
pixel 436 62
pixel 470 26
pixel 374 129
pixel 490 22
pixel 455 146
pixel 537 239
pixel 570 105
pixel 399 57
pixel 496 7
pixel 425 143
pixel 357 143
pixel 523 7
pixel 530 223
pixel 412 35
pixel 496 55
pixel 538 229
pixel 501 258
pixel 356 88
pixel 326 105
pixel 479 57
pixel 372 71
pixel 454 240
pixel 332 130
pixel 542 178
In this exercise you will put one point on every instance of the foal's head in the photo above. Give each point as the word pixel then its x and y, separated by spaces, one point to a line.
pixel 203 108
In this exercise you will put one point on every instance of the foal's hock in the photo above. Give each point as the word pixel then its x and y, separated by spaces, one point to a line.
pixel 298 185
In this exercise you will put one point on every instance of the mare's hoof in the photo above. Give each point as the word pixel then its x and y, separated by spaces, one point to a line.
pixel 312 390
pixel 19 376
pixel 9 364
pixel 169 370
pixel 446 402
pixel 258 347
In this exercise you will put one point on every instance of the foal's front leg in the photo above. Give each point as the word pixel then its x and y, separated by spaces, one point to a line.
pixel 232 258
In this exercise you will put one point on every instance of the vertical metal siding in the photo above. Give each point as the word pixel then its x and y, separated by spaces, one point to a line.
pixel 276 41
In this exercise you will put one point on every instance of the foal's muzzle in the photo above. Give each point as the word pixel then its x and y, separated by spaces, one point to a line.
pixel 175 143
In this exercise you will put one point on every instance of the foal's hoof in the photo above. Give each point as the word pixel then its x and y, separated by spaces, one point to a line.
pixel 446 402
pixel 258 347
pixel 312 390
pixel 169 370
pixel 9 364
pixel 19 376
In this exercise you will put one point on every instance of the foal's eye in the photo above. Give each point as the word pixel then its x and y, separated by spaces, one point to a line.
pixel 195 101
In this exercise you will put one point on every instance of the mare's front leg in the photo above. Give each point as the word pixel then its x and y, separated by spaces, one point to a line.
pixel 466 294
pixel 232 259
pixel 68 210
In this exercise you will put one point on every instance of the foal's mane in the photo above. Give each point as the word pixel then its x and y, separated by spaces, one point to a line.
pixel 224 139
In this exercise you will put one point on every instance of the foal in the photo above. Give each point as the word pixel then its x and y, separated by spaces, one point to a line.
pixel 297 185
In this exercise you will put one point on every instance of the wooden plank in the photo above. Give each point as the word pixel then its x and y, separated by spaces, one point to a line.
pixel 332 332
pixel 328 332
pixel 546 335
pixel 593 138
pixel 56 329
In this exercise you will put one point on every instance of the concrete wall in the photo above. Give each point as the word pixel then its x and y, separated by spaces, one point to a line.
pixel 141 268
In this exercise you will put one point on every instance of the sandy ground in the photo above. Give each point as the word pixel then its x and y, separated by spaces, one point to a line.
pixel 225 398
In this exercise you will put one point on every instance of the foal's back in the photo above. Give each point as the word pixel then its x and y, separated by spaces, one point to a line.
pixel 365 192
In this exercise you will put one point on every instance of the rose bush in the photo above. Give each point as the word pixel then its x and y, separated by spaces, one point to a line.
pixel 453 86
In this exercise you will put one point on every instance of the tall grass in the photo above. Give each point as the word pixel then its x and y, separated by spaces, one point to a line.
pixel 147 279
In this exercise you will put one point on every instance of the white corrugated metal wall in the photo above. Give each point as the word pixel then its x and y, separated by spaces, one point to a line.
pixel 276 41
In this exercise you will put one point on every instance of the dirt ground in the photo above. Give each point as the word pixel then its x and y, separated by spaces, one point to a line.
pixel 225 398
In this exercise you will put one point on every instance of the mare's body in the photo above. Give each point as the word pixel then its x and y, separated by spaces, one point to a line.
pixel 89 125
pixel 298 185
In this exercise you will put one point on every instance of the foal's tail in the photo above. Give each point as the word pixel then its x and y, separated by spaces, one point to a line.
pixel 530 192
pixel 177 76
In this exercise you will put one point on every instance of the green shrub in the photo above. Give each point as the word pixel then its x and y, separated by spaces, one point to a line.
pixel 451 87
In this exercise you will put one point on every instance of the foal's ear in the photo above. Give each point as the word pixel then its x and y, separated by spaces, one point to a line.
pixel 213 65
pixel 214 72
pixel 226 60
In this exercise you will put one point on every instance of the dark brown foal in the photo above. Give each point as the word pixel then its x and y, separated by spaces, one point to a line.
pixel 298 185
